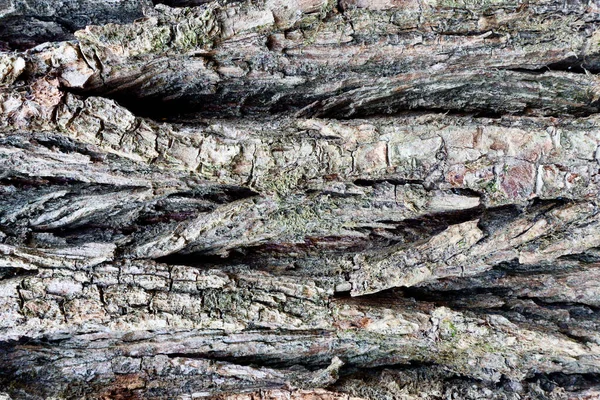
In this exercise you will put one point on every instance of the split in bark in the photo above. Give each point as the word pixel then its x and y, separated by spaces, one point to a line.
pixel 309 199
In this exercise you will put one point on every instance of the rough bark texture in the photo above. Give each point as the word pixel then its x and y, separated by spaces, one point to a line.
pixel 308 199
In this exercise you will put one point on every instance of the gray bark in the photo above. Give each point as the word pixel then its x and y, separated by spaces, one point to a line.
pixel 300 200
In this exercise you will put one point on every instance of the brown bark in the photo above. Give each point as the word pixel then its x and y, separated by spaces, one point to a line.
pixel 301 200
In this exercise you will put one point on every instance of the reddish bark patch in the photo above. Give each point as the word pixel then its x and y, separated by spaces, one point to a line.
pixel 124 388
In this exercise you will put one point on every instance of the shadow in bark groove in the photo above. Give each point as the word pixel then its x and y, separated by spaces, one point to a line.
pixel 31 23
pixel 571 382
pixel 188 3
pixel 512 88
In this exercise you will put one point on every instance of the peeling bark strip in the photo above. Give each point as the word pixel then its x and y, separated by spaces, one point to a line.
pixel 306 199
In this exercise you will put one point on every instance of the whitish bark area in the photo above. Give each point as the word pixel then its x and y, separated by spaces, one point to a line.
pixel 309 199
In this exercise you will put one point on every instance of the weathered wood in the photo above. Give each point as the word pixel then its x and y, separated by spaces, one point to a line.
pixel 301 200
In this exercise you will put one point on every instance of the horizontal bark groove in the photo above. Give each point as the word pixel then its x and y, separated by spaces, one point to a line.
pixel 315 199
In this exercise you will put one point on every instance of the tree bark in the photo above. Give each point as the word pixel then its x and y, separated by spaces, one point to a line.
pixel 309 199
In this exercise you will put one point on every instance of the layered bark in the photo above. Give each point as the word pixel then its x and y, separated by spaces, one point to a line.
pixel 308 199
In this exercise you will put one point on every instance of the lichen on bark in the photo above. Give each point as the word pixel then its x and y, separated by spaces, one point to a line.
pixel 308 199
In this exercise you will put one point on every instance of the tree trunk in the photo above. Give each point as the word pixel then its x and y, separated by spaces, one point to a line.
pixel 308 199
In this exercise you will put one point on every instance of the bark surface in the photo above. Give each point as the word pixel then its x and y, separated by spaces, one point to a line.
pixel 309 199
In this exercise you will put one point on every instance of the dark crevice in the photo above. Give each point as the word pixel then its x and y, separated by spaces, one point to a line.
pixel 202 260
pixel 10 273
pixel 231 98
pixel 309 363
pixel 157 108
pixel 488 283
pixel 350 371
pixel 412 373
pixel 399 181
pixel 65 23
pixel 514 268
pixel 398 297
pixel 342 294
pixel 188 3
pixel 573 64
pixel 570 382
pixel 461 298
pixel 403 111
pixel 448 297
pixel 42 342
pixel 58 143
pixel 26 31
pixel 546 303
pixel 467 192
pixel 119 220
pixel 591 256
pixel 578 338
pixel 527 311
pixel 175 106
pixel 415 374
pixel 268 255
pixel 473 111
pixel 24 182
pixel 22 29
pixel 537 71
pixel 275 256
pixel 218 194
